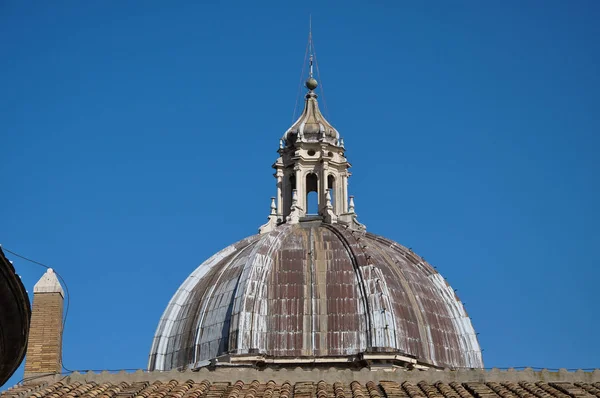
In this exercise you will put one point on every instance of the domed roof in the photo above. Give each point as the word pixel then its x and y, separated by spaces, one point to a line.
pixel 319 293
pixel 311 126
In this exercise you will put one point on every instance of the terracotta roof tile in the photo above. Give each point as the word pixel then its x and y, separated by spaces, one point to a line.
pixel 552 391
pixel 589 388
pixel 460 390
pixel 86 387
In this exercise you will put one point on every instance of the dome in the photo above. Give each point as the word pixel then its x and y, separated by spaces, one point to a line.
pixel 311 126
pixel 315 292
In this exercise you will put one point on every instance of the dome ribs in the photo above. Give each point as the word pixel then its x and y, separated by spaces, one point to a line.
pixel 370 287
pixel 252 300
pixel 406 322
pixel 180 320
pixel 317 292
pixel 445 332
pixel 286 295
pixel 339 296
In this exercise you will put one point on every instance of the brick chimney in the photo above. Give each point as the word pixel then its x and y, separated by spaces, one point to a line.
pixel 44 346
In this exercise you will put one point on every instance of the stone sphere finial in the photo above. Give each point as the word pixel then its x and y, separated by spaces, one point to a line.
pixel 311 83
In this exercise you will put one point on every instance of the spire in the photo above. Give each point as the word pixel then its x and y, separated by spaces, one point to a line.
pixel 311 126
pixel 311 82
pixel 310 44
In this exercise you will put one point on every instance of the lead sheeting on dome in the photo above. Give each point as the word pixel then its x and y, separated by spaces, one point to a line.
pixel 315 292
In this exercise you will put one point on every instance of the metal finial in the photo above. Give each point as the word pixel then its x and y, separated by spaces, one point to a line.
pixel 311 82
pixel 310 45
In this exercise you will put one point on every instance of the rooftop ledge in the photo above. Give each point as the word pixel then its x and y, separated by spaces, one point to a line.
pixel 332 375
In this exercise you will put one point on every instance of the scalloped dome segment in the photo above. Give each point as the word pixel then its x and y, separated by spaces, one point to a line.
pixel 311 126
pixel 315 290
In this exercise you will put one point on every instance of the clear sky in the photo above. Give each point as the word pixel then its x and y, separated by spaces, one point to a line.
pixel 137 139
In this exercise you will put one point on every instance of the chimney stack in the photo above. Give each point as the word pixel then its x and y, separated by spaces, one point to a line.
pixel 44 346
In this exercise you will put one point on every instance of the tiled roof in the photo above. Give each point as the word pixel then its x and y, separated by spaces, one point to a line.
pixel 69 388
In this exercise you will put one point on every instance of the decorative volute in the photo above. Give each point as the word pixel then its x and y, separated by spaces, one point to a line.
pixel 311 159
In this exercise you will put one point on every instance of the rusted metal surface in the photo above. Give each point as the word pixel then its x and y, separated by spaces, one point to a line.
pixel 315 290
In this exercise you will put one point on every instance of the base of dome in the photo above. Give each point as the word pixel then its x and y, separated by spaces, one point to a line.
pixel 373 360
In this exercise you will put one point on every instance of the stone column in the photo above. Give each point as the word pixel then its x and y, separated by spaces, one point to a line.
pixel 324 171
pixel 44 347
pixel 301 189
pixel 279 176
pixel 344 195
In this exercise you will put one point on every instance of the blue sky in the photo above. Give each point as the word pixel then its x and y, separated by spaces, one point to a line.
pixel 137 139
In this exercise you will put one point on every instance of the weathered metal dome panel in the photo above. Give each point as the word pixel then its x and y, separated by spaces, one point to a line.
pixel 315 290
pixel 173 345
pixel 316 307
pixel 426 306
